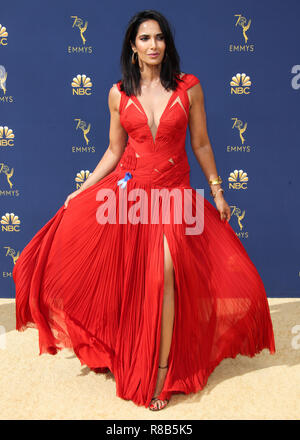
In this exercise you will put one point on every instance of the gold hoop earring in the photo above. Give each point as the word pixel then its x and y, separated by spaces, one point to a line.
pixel 132 57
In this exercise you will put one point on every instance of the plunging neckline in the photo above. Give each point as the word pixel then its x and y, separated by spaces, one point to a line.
pixel 165 109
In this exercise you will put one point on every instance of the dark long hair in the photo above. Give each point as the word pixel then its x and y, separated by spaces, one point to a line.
pixel 170 67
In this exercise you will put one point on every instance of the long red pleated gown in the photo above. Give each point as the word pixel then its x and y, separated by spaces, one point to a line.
pixel 97 288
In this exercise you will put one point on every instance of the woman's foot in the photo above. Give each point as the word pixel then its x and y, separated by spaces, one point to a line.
pixel 157 404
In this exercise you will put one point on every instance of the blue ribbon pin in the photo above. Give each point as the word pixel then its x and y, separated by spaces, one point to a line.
pixel 123 182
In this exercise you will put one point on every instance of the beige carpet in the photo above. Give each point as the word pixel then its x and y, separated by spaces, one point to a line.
pixel 58 387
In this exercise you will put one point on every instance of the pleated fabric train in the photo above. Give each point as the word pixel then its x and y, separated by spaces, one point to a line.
pixel 97 287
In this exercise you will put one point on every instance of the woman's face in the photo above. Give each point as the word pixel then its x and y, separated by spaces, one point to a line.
pixel 150 40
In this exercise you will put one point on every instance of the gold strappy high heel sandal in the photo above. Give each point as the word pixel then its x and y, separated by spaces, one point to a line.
pixel 153 406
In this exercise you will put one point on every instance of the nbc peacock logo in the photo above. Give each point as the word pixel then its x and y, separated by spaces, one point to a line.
pixel 238 179
pixel 3 35
pixel 10 222
pixel 240 84
pixel 81 177
pixel 81 85
pixel 7 137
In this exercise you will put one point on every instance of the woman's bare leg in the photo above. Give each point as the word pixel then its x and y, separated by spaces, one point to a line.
pixel 167 320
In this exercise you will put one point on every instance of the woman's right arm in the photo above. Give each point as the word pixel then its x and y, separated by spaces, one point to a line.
pixel 117 142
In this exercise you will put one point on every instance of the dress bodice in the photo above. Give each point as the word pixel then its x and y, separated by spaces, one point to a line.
pixel 162 160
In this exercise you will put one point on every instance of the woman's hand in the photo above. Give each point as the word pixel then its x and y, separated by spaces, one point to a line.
pixel 222 206
pixel 71 196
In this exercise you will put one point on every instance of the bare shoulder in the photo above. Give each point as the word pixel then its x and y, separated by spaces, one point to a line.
pixel 195 90
pixel 114 97
pixel 114 91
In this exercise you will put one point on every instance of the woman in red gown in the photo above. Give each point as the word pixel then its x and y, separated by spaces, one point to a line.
pixel 158 306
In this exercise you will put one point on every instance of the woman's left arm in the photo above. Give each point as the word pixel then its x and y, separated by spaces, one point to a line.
pixel 202 147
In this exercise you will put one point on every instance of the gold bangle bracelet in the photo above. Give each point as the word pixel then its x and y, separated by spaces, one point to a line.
pixel 216 181
pixel 214 195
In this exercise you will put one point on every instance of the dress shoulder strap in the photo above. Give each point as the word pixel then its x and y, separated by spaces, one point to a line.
pixel 190 80
pixel 118 84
